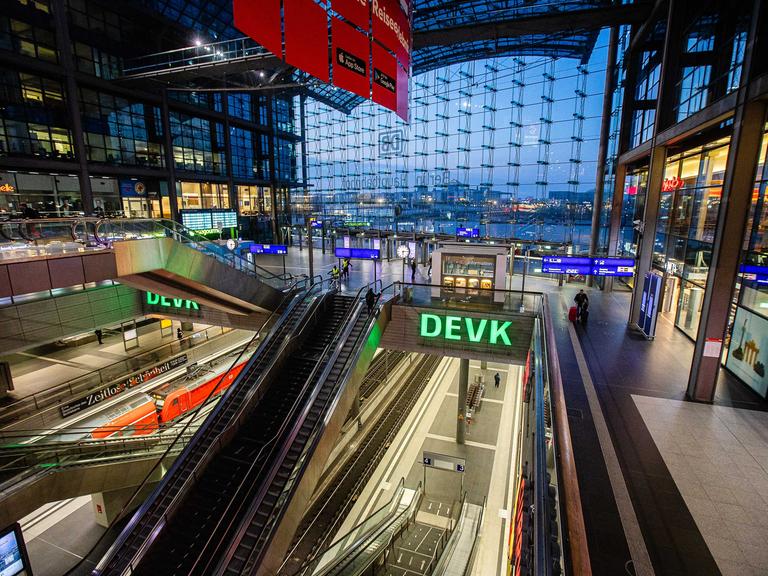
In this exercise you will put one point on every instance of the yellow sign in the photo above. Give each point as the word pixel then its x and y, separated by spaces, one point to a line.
pixel 7 188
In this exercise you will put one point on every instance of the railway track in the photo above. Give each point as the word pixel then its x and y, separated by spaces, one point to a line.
pixel 331 507
pixel 380 369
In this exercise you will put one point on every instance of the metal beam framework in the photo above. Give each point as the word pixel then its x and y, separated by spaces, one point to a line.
pixel 555 23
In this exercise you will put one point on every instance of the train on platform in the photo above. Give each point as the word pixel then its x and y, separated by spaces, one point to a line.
pixel 152 411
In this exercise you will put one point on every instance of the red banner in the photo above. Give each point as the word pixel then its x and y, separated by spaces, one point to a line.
pixel 392 29
pixel 356 11
pixel 384 78
pixel 402 93
pixel 306 37
pixel 351 51
pixel 261 21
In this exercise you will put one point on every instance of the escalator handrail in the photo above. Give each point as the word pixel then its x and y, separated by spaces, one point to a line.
pixel 125 535
pixel 339 342
pixel 355 553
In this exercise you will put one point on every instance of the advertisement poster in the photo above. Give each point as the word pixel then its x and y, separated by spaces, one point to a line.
pixel 748 349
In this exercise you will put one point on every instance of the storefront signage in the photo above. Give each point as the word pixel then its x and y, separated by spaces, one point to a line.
pixel 7 188
pixel 157 300
pixel 649 305
pixel 672 184
pixel 459 328
pixel 358 253
pixel 269 249
pixel 754 273
pixel 119 387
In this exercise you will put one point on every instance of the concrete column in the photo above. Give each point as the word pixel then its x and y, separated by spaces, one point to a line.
pixel 107 505
pixel 726 251
pixel 461 422
pixel 617 205
pixel 231 192
pixel 645 249
pixel 64 46
pixel 483 365
pixel 170 164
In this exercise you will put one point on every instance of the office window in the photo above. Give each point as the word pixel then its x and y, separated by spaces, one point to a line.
pixel 198 144
pixel 118 131
pixel 28 40
pixel 93 61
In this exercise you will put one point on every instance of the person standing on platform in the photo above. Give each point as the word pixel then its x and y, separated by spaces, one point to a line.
pixel 99 335
pixel 413 270
pixel 496 380
pixel 345 266
pixel 179 334
pixel 370 300
pixel 429 269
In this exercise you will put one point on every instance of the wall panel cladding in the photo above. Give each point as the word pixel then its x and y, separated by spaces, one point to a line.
pixel 29 277
pixel 66 272
pixel 57 317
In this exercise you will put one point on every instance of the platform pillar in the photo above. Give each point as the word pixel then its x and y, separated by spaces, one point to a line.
pixel 107 505
pixel 461 422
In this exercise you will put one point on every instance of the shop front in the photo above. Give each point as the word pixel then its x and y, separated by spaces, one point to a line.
pixel 52 195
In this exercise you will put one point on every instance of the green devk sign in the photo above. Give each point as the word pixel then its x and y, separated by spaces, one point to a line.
pixel 465 329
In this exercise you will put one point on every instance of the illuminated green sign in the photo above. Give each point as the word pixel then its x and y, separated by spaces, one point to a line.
pixel 465 329
pixel 157 300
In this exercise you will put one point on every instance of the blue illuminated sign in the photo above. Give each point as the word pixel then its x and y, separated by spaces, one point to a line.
pixel 588 266
pixel 317 223
pixel 358 253
pixel 269 249
pixel 755 273
pixel 468 232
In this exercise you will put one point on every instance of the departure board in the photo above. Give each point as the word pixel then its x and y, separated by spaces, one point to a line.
pixel 586 266
pixel 359 253
pixel 197 220
pixel 269 249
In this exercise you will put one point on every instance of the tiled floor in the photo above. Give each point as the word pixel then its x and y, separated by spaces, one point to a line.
pixel 718 458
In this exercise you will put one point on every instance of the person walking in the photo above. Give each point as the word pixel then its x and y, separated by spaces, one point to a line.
pixel 581 300
pixel 413 270
pixel 496 380
pixel 179 334
pixel 370 300
pixel 429 269
pixel 345 266
pixel 335 274
pixel 99 335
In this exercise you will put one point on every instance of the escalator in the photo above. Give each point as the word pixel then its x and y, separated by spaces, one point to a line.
pixel 219 506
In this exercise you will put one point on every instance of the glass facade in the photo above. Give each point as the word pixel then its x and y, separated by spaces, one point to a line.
pixel 685 228
pixel 198 144
pixel 118 131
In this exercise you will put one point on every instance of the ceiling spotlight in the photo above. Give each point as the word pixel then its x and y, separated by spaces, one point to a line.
pixel 261 74
pixel 198 42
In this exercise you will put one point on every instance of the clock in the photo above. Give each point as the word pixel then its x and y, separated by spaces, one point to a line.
pixel 231 243
pixel 403 251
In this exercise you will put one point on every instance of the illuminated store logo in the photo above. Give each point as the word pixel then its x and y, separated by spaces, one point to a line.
pixel 7 188
pixel 465 329
pixel 672 184
pixel 157 300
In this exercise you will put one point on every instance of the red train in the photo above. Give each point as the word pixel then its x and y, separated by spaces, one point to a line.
pixel 145 414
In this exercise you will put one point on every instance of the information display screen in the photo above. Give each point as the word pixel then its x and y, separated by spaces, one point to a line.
pixel 468 232
pixel 586 266
pixel 13 556
pixel 209 219
pixel 358 253
pixel 268 249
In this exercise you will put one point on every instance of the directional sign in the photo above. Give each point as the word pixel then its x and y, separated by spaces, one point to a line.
pixel 358 253
pixel 588 266
pixel 468 232
pixel 269 249
pixel 444 462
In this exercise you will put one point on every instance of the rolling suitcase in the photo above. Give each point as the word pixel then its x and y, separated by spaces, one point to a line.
pixel 584 317
pixel 572 314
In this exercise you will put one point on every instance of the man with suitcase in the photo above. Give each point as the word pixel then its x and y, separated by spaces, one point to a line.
pixel 582 304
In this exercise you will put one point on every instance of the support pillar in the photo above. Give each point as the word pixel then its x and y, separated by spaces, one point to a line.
pixel 461 422
pixel 726 251
pixel 650 216
pixel 64 45
pixel 614 225
pixel 107 505
pixel 170 164
pixel 231 192
pixel 602 154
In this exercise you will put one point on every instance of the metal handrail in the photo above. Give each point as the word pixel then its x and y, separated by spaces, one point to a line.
pixel 121 540
pixel 37 401
pixel 339 343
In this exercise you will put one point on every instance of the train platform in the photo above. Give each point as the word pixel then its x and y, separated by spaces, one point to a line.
pixel 488 452
pixel 43 367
